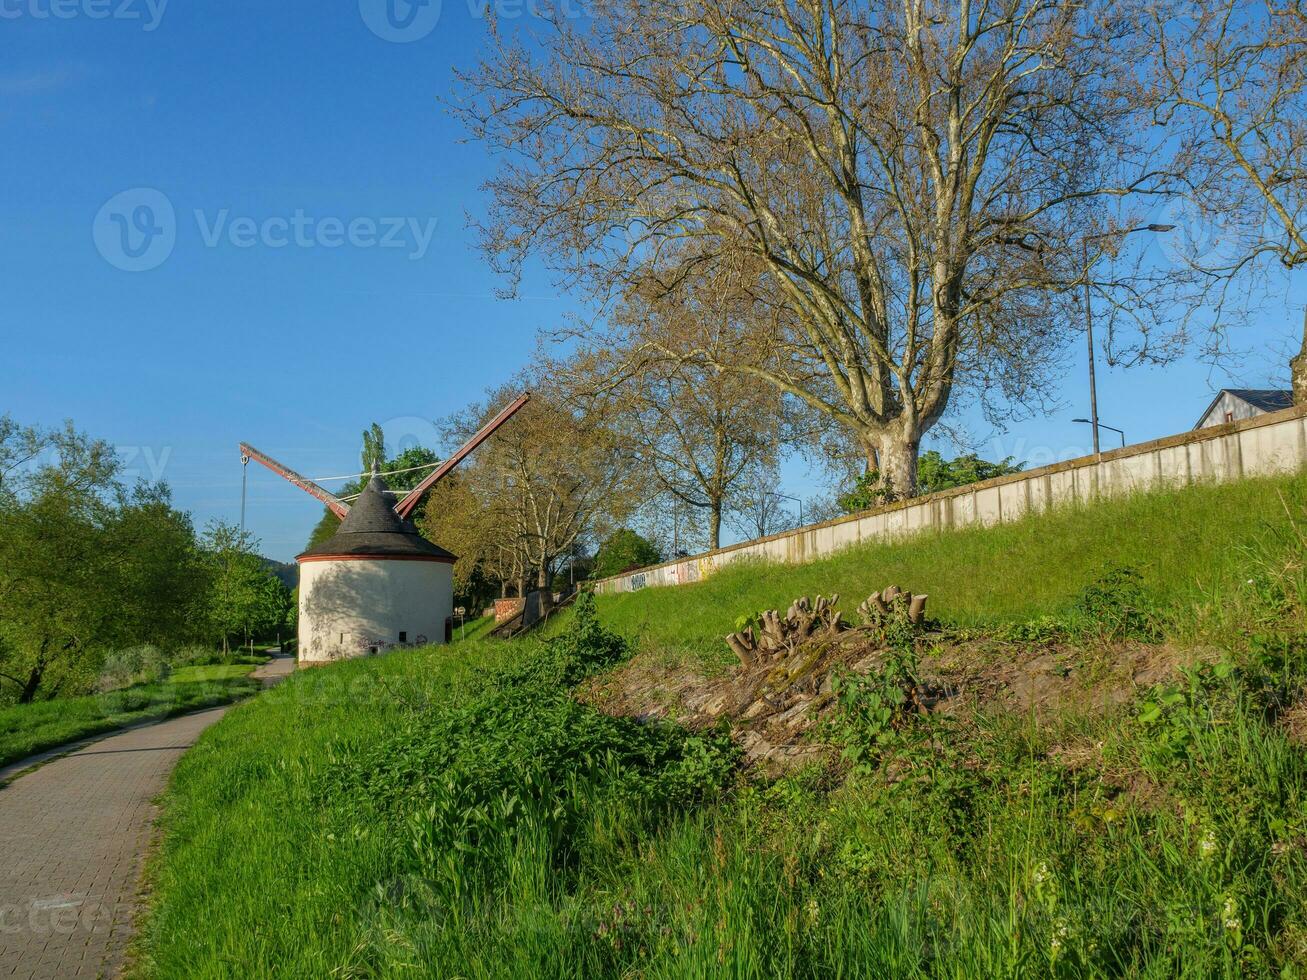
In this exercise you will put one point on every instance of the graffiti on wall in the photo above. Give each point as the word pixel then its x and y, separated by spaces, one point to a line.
pixel 682 573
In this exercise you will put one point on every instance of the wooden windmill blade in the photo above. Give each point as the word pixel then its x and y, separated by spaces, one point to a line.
pixel 405 507
pixel 334 503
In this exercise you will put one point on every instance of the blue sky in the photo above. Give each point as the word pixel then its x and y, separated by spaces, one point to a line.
pixel 267 116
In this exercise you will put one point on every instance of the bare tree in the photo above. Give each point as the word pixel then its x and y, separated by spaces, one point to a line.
pixel 699 430
pixel 759 510
pixel 1232 88
pixel 556 475
pixel 693 429
pixel 904 183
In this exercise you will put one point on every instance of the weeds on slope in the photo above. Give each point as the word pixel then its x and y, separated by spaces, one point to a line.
pixel 455 813
pixel 440 835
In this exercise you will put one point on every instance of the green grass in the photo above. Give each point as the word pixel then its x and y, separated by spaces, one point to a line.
pixel 31 728
pixel 474 629
pixel 1189 546
pixel 210 672
pixel 424 814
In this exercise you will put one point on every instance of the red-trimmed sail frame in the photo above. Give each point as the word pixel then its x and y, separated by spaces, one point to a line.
pixel 414 496
pixel 334 503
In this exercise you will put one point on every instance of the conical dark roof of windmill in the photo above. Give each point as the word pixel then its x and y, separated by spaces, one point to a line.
pixel 372 529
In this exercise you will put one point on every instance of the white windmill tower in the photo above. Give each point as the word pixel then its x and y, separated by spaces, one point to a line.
pixel 377 583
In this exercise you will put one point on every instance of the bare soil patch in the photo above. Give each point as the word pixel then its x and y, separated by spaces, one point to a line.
pixel 773 703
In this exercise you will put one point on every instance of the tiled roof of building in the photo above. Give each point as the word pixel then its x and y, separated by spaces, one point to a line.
pixel 372 529
pixel 1267 399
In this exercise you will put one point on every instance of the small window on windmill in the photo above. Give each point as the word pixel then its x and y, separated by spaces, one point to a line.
pixel 403 636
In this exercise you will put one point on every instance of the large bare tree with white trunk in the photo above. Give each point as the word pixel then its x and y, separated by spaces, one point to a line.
pixel 1231 82
pixel 905 182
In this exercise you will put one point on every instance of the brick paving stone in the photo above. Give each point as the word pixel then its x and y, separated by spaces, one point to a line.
pixel 73 836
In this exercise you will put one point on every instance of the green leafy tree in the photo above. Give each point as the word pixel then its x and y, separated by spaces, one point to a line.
pixel 937 473
pixel 163 572
pixel 625 549
pixel 374 447
pixel 85 564
pixel 245 599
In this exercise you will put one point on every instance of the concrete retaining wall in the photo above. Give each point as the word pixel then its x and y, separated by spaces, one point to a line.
pixel 1261 446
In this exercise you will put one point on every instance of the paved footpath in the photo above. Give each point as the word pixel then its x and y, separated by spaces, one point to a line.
pixel 73 836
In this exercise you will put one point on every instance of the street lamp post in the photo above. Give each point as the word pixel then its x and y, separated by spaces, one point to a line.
pixel 1101 425
pixel 1089 318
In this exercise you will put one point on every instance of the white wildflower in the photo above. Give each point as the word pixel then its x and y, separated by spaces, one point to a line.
pixel 1061 933
pixel 1041 874
pixel 1207 845
pixel 1230 915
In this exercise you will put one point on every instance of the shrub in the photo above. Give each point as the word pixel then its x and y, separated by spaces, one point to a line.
pixel 520 766
pixel 203 656
pixel 1117 606
pixel 584 648
pixel 135 665
pixel 1172 715
pixel 874 711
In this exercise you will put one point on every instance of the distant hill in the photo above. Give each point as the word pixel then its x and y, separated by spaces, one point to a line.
pixel 285 571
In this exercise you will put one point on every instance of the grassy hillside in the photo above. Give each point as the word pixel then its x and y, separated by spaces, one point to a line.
pixel 1190 547
pixel 458 811
pixel 474 629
